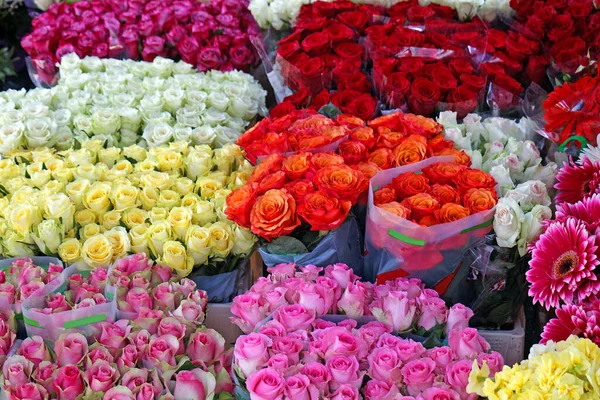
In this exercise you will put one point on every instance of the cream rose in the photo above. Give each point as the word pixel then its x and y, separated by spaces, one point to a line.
pixel 76 190
pixel 59 206
pixel 134 217
pixel 149 197
pixel 158 234
pixel 243 240
pixel 155 179
pixel 90 230
pixel 221 241
pixel 138 236
pixel 124 197
pixel 97 198
pixel 158 214
pixel 70 251
pixel 22 218
pixel 85 217
pixel 97 251
pixel 507 222
pixel 180 219
pixel 177 258
pixel 170 161
pixel 198 244
pixel 110 219
pixel 49 236
pixel 119 239
pixel 168 199
pixel 183 186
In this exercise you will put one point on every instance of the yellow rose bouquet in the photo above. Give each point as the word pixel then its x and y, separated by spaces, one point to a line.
pixel 97 204
pixel 564 370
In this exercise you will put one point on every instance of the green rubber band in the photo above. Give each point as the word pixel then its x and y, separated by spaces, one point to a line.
pixel 32 322
pixel 474 228
pixel 579 139
pixel 85 321
pixel 405 239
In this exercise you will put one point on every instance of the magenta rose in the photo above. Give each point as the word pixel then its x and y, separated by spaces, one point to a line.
pixel 205 346
pixel 458 317
pixel 242 57
pixel 344 369
pixel 438 393
pixel 249 311
pixel 17 370
pixel 352 302
pixel 467 343
pixel 70 349
pixel 195 384
pixel 251 352
pixel 346 392
pixel 101 376
pixel 266 384
pixel 299 387
pixel 418 375
pixel 162 349
pixel 28 391
pixel 209 58
pixel 294 317
pixel 381 390
pixel 69 383
pixel 443 356
pixel 34 349
pixel 384 365
pixel 494 361
pixel 44 374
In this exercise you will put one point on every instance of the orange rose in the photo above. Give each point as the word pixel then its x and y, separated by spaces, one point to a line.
pixel 421 205
pixel 323 213
pixel 296 165
pixel 353 151
pixel 429 220
pixel 342 182
pixel 396 208
pixel 273 181
pixel 274 214
pixel 349 120
pixel 365 135
pixel 410 151
pixel 391 121
pixel 460 156
pixel 333 133
pixel 478 200
pixel 451 212
pixel 299 189
pixel 474 178
pixel 382 157
pixel 443 172
pixel 240 202
pixel 308 142
pixel 269 143
pixel 389 138
pixel 266 167
pixel 283 123
pixel 439 143
pixel 386 194
pixel 368 168
pixel 322 160
pixel 312 122
pixel 445 194
pixel 409 184
pixel 418 124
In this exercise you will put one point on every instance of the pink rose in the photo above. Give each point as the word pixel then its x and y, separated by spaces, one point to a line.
pixel 28 391
pixel 175 35
pixel 98 278
pixel 249 310
pixel 384 365
pixel 17 370
pixel 412 286
pixel 341 273
pixel 275 298
pixel 348 324
pixel 251 352
pixel 195 384
pixel 162 349
pixel 344 369
pixel 352 302
pixel 279 362
pixel 199 297
pixel 75 282
pixel 272 329
pixel 128 358
pixel 135 299
pixel 44 374
pixel 494 361
pixel 380 390
pixel 397 309
pixel 209 58
pixel 68 384
pixel 186 287
pixel 281 272
pixel 173 326
pixel 7 293
pixel 289 347
pixel 467 344
pixel 97 352
pixel 372 331
pixel 2 276
pixel 263 285
pixel 266 384
pixel 321 324
pixel 29 289
pixel 332 287
pixel 140 339
pixel 294 317
pixel 149 319
pixel 138 281
pixel 443 356
pixel 457 377
pixel 161 273
pixel 339 341
pixel 138 262
pixel 299 387
pixel 310 272
pixel 220 371
pixel 242 57
pixel 437 393
pixel 189 311
pixel 134 378
pixel 154 46
pixel 164 297
pixel 458 317
pixel 292 285
pixel 389 340
pixel 30 273
pixel 85 303
pixel 418 375
pixel 70 349
pixel 188 48
pixel 101 376
pixel 122 284
pixel 346 392
pixel 147 392
pixel 433 312
pixel 205 346
pixel 119 393
pixel 34 349
pixel 113 335
pixel 409 350
pixel 318 374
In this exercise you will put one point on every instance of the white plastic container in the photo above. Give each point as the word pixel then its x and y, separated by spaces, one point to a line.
pixel 511 344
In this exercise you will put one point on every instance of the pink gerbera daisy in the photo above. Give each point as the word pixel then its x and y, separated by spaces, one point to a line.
pixel 576 182
pixel 563 265
pixel 570 320
pixel 586 210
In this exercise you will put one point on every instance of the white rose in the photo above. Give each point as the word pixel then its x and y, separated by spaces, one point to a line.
pixel 158 134
pixel 151 102
pixel 173 98
pixel 244 107
pixel 62 117
pixel 40 132
pixel 11 137
pixel 546 174
pixel 182 134
pixel 502 175
pixel 466 9
pixel 204 135
pixel 162 67
pixel 513 163
pixel 60 206
pixel 533 226
pixel 83 123
pixel 507 222
pixel 190 115
pixel 535 193
pixel 14 246
pixel 448 119
pixel 513 146
pixel 218 100
pixel 182 68
pixel 199 162
pixel 226 135
pixel 106 122
pixel 214 117
pixel 70 62
pixel 49 236
pixel 460 141
pixel 529 154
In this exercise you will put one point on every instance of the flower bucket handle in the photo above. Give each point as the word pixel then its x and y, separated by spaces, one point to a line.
pixel 579 139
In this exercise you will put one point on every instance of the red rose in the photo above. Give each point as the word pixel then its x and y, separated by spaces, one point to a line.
pixel 511 66
pixel 401 8
pixel 496 38
pixel 546 14
pixel 443 78
pixel 282 109
pixel 460 66
pixel 242 57
pixel 364 106
pixel 299 189
pixel 581 8
pixel 568 61
pixel 534 29
pixel 470 178
pixel 520 49
pixel 536 68
pixel 339 33
pixel 320 100
pixel 353 151
pixel 240 202
pixel 299 99
pixel 473 82
pixel 287 50
pixel 406 37
pixel 421 205
pixel 312 24
pixel 349 50
pixel 341 181
pixel 424 97
pixel 419 13
pixel 410 64
pixel 409 184
pixel 462 100
pixel 443 12
pixel 386 194
pixel 322 212
pixel 492 69
pixel 269 165
pixel 209 58
pixel 561 28
pixel 443 172
pixel 312 67
pixel 508 83
pixel 343 98
pixel 445 194
pixel 356 81
pixel 316 43
pixel 355 19
pixel 396 89
pixel 439 40
pixel 295 36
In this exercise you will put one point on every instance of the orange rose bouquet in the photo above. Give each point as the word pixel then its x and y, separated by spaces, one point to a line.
pixel 422 217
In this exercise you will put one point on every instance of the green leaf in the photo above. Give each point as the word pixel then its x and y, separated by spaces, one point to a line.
pixel 133 161
pixel 286 245
pixel 217 32
pixel 330 111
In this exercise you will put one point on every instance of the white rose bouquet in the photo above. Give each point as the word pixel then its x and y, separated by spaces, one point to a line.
pixel 125 102
pixel 488 10
pixel 97 204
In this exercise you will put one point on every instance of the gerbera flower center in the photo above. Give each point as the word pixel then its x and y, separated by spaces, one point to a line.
pixel 564 264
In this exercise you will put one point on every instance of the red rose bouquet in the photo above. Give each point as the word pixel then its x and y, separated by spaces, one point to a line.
pixel 208 35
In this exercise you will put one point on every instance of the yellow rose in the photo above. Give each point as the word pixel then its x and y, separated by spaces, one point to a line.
pixel 97 251
pixel 134 217
pixel 124 197
pixel 55 164
pixel 190 201
pixel 183 186
pixel 97 198
pixel 13 245
pixel 123 167
pixel 199 162
pixel 243 240
pixel 110 219
pixel 8 169
pixel 175 256
pixel 237 180
pixel 198 244
pixel 3 228
pixel 89 172
pixel 70 251
pixel 113 177
pixel 145 166
pixel 53 187
pixel 60 206
pixel 226 157
pixel 85 217
pixel 206 187
pixel 168 199
pixel 63 174
pixel 120 241
pixel 14 184
pixel 221 241
pixel 204 213
pixel 90 230
pixel 138 237
pixel 219 176
pixel 135 152
pixel 180 219
pixel 180 147
pixel 25 195
pixel 169 161
pixel 22 218
pixel 155 151
pixel 158 234
pixel 155 179
pixel 94 146
pixel 39 179
pixel 76 190
pixel 109 156
pixel 245 167
pixel 158 214
pixel 41 155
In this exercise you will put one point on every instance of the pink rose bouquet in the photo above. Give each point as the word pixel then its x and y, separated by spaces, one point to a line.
pixel 324 360
pixel 8 333
pixel 405 304
pixel 209 35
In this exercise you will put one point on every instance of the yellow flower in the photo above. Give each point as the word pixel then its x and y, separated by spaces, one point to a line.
pixel 53 187
pixel 220 239
pixel 94 146
pixel 76 190
pixel 206 187
pixel 41 155
pixel 109 156
pixel 198 244
pixel 135 152
pixel 110 219
pixel 97 251
pixel 183 186
pixel 59 206
pixel 124 197
pixel 89 172
pixel 123 167
pixel 158 214
pixel 22 217
pixel 477 377
pixel 138 236
pixel 199 162
pixel 8 169
pixel 120 241
pixel 70 251
pixel 14 184
pixel 168 199
pixel 158 234
pixel 54 164
pixel 158 180
pixel 85 217
pixel 175 256
pixel 204 213
pixel 180 219
pixel 13 245
pixel 90 230
pixel 134 216
pixel 149 197
pixel 169 161
pixel 80 157
pixel 97 198
pixel 145 166
pixel 180 147
pixel 63 174
pixel 25 195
